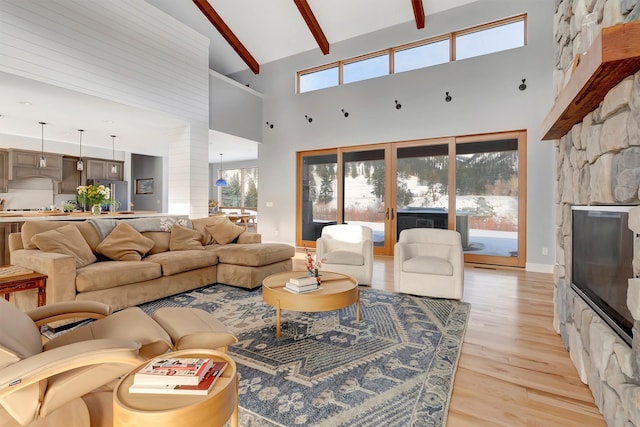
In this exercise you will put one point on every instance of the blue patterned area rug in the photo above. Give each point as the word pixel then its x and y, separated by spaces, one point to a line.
pixel 394 368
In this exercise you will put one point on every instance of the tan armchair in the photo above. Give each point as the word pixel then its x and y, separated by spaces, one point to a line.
pixel 429 262
pixel 66 380
pixel 347 249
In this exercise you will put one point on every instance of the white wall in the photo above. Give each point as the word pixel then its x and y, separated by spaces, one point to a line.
pixel 485 99
pixel 234 109
pixel 124 51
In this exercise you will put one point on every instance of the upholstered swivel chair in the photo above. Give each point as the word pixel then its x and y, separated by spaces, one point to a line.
pixel 347 249
pixel 66 381
pixel 429 262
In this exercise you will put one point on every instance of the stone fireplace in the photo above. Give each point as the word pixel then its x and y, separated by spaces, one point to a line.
pixel 598 163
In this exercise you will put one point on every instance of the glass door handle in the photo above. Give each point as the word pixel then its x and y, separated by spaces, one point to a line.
pixel 387 214
pixel 391 213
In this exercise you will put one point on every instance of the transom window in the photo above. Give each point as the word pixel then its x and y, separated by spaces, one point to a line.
pixel 489 40
pixel 497 36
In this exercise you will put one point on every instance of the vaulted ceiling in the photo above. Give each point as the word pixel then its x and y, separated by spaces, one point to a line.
pixel 268 30
pixel 247 33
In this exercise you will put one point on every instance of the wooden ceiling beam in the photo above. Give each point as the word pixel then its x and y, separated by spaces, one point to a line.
pixel 313 25
pixel 224 30
pixel 418 11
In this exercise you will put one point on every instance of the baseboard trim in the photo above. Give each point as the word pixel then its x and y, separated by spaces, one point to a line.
pixel 539 268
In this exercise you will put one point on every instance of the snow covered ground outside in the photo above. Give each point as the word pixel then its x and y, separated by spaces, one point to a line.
pixel 358 195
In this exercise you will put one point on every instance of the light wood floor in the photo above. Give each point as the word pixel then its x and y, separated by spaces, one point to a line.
pixel 513 370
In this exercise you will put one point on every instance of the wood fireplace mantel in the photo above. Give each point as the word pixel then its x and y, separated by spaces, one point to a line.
pixel 613 56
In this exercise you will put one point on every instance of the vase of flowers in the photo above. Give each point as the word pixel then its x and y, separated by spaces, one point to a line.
pixel 313 266
pixel 94 196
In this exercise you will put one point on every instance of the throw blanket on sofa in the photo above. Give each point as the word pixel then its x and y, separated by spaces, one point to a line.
pixel 163 223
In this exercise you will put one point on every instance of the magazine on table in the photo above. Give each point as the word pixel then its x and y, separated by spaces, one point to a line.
pixel 182 371
pixel 202 388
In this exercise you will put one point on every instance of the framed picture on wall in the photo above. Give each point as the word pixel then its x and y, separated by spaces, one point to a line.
pixel 144 186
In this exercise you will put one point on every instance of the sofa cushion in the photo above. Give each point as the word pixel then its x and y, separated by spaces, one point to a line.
pixel 180 261
pixel 224 231
pixel 252 255
pixel 428 265
pixel 160 241
pixel 109 274
pixel 125 243
pixel 200 225
pixel 343 258
pixel 31 228
pixel 183 239
pixel 66 240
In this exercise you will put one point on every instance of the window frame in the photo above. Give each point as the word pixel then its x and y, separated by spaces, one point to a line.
pixel 243 177
pixel 392 50
pixel 488 26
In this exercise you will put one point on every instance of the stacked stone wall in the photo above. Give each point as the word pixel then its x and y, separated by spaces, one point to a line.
pixel 597 162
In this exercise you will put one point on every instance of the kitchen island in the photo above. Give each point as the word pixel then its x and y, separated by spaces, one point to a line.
pixel 11 222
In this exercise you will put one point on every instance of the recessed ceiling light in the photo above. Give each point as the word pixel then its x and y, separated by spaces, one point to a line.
pixel 109 122
pixel 25 103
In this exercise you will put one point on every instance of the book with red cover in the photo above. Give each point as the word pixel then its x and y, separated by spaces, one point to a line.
pixel 184 371
pixel 203 388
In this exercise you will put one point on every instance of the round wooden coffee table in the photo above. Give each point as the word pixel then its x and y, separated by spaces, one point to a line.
pixel 168 410
pixel 338 291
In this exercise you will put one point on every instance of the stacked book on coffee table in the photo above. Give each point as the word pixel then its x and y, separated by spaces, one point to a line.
pixel 302 284
pixel 177 376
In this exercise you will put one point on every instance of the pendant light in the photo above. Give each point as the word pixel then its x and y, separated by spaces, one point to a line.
pixel 43 161
pixel 114 167
pixel 80 163
pixel 221 182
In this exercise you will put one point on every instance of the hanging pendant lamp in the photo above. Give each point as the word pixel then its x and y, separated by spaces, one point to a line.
pixel 114 167
pixel 80 163
pixel 43 161
pixel 221 182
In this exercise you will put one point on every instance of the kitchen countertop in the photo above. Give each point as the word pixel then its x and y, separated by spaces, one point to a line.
pixel 22 216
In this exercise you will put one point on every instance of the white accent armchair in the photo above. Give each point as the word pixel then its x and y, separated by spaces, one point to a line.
pixel 429 262
pixel 347 249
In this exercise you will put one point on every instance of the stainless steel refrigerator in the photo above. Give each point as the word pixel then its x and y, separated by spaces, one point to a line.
pixel 119 192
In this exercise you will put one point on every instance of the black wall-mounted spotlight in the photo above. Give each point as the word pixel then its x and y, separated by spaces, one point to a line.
pixel 345 113
pixel 447 97
pixel 398 105
pixel 309 119
pixel 270 125
pixel 523 85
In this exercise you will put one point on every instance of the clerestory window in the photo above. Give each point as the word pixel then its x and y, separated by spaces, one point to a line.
pixel 496 36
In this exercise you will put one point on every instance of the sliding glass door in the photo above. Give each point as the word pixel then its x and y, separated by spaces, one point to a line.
pixel 365 186
pixel 473 184
pixel 317 194
pixel 489 197
pixel 422 184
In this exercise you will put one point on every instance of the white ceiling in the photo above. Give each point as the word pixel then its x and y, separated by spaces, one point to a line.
pixel 270 30
pixel 274 29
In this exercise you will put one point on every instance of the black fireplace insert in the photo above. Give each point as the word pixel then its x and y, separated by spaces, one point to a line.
pixel 602 257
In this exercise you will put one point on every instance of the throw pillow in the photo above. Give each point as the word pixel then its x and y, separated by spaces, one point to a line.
pixel 225 231
pixel 125 243
pixel 183 239
pixel 200 224
pixel 66 240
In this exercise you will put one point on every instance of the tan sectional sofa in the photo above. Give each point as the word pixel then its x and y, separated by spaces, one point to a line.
pixel 143 259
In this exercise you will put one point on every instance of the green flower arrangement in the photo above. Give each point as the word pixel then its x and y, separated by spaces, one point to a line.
pixel 92 195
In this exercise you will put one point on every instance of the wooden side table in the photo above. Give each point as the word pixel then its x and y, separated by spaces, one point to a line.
pixel 23 281
pixel 170 410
